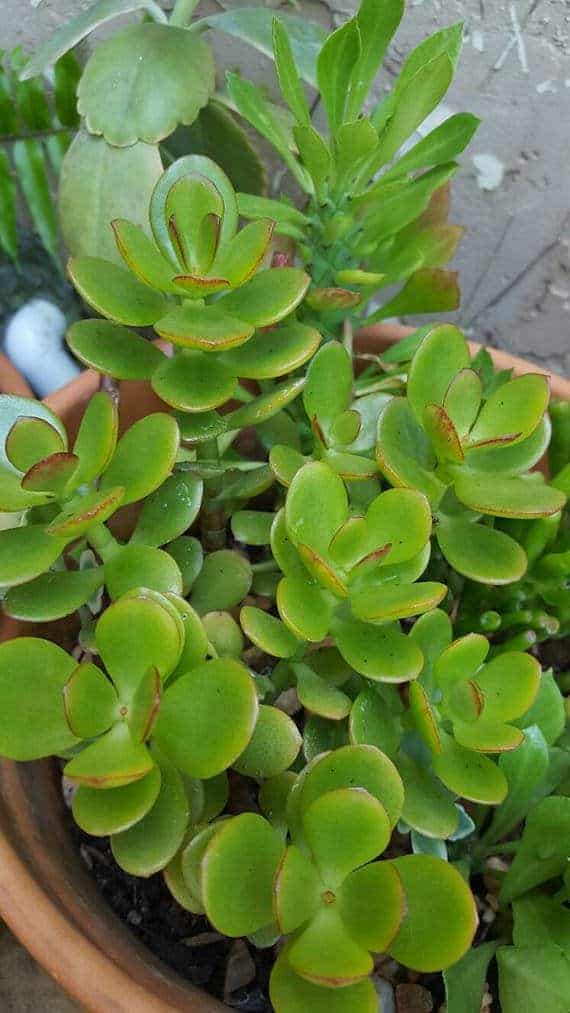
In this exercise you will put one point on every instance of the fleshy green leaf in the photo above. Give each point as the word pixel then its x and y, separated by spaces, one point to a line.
pixel 481 553
pixel 99 183
pixel 25 553
pixel 53 595
pixel 273 353
pixel 144 80
pixel 90 701
pixel 138 632
pixel 151 843
pixel 187 551
pixel 32 675
pixel 30 440
pixel 111 761
pixel 237 875
pixel 169 511
pixel 152 440
pixel 207 717
pixel 440 919
pixel 115 293
pixel 268 633
pixel 441 355
pixel 303 608
pixel 83 513
pixel 111 811
pixel 223 582
pixel 318 696
pixel 273 746
pixel 326 954
pixel 507 497
pixel 372 905
pixel 112 349
pixel 292 994
pixel 470 774
pixel 194 382
pixel 335 67
pixel 96 438
pixel 397 602
pixel 268 297
pixel 378 652
pixel 514 410
pixel 345 828
pixel 141 566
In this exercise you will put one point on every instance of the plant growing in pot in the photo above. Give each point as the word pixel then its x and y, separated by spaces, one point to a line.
pixel 277 699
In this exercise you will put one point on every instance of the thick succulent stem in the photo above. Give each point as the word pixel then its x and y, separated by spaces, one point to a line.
pixel 213 517
pixel 102 541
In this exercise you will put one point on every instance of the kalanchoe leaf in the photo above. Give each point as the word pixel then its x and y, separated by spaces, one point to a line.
pixel 253 527
pixel 462 400
pixel 326 954
pixel 113 349
pixel 115 809
pixel 223 581
pixel 372 722
pixel 508 497
pixel 240 905
pixel 425 940
pixel 378 652
pixel 83 513
pixel 194 382
pixel 207 328
pixel 266 405
pixel 268 297
pixel 441 355
pixel 195 638
pixel 52 474
pixel 135 566
pixel 512 458
pixel 169 511
pixel 315 483
pixel 207 717
pixel 188 554
pixel 12 497
pixel 53 595
pixel 115 293
pixel 428 807
pixel 470 774
pixel 26 553
pixel 442 433
pixel 372 905
pixel 192 856
pixel 304 608
pixel 217 195
pixel 245 253
pixel 297 889
pixel 272 797
pixel 345 828
pixel 292 994
pixel 318 696
pixel 274 352
pixel 96 437
pixel 150 844
pixel 144 457
pixel 268 633
pixel 166 76
pixel 364 766
pixel 32 675
pixel 403 452
pixel 13 408
pixel 90 701
pixel 481 553
pixel 30 440
pixel 514 410
pixel 389 602
pixel 223 634
pixel 142 257
pixel 111 761
pixel 273 746
pixel 143 709
pixel 135 632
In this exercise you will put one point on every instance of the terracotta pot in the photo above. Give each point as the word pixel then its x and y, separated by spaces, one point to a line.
pixel 47 897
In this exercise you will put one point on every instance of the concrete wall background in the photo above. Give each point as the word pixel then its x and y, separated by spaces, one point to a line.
pixel 515 74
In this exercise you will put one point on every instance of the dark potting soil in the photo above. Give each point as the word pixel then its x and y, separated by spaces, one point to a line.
pixel 185 942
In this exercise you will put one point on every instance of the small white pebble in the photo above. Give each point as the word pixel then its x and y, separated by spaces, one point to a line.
pixel 34 342
pixel 490 171
pixel 546 87
pixel 478 41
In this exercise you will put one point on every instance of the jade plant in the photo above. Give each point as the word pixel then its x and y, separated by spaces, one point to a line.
pixel 303 686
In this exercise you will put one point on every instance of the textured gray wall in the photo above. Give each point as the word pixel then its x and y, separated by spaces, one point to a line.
pixel 515 74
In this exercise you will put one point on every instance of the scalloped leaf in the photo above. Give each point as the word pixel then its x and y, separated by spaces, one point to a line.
pixel 143 81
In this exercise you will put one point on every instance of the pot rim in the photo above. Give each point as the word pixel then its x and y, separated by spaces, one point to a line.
pixel 106 970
